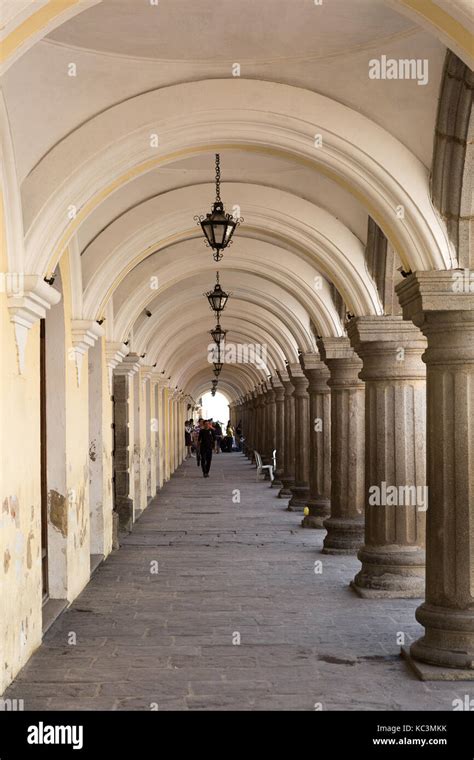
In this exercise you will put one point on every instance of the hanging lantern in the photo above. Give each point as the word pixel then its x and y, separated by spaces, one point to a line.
pixel 217 298
pixel 218 227
pixel 217 368
pixel 218 334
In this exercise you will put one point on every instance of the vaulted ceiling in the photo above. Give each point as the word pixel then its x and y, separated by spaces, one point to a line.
pixel 87 87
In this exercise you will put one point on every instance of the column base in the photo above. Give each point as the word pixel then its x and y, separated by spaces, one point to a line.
pixel 344 535
pixel 299 499
pixel 426 672
pixel 124 509
pixel 319 511
pixel 277 482
pixel 286 492
pixel 390 572
pixel 449 638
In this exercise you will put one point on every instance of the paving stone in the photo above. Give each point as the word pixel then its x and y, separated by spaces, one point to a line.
pixel 226 568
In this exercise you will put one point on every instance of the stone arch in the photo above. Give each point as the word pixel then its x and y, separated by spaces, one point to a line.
pixel 389 181
pixel 285 220
pixel 453 157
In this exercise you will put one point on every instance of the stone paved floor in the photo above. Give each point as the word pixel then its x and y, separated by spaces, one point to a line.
pixel 226 568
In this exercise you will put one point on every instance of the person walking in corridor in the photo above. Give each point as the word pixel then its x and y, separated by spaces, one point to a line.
pixel 229 438
pixel 195 436
pixel 206 446
pixel 217 428
pixel 188 428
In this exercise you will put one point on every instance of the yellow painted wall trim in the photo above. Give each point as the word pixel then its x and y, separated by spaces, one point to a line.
pixel 33 24
pixel 440 19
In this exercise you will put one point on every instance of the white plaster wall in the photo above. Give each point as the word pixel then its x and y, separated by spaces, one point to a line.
pixel 100 451
pixel 20 497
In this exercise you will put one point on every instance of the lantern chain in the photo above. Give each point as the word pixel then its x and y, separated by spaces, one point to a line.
pixel 218 178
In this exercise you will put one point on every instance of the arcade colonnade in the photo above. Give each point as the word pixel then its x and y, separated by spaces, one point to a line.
pixel 351 272
pixel 361 408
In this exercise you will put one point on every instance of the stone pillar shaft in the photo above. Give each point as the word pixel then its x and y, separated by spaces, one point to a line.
pixel 445 313
pixel 300 488
pixel 271 420
pixel 279 433
pixel 345 526
pixel 123 504
pixel 319 502
pixel 288 477
pixel 393 556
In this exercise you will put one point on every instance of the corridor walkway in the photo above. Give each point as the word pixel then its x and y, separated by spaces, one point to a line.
pixel 168 639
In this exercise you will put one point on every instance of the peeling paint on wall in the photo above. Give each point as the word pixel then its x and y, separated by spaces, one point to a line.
pixel 29 558
pixel 10 506
pixel 58 512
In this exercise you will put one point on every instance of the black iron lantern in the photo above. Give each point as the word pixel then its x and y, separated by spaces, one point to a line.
pixel 217 298
pixel 214 382
pixel 213 392
pixel 217 368
pixel 218 227
pixel 218 334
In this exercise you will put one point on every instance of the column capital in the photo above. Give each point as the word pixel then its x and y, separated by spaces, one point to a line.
pixel 343 362
pixel 436 291
pixel 335 348
pixel 443 308
pixel 146 372
pixel 309 360
pixel 284 376
pixel 279 390
pixel 115 352
pixel 383 330
pixel 84 334
pixel 298 379
pixel 390 347
pixel 129 366
pixel 316 372
pixel 29 297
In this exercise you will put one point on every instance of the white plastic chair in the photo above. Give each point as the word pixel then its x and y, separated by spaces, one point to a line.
pixel 261 467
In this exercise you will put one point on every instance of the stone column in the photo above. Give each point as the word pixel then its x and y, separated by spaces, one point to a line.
pixel 345 527
pixel 253 423
pixel 260 421
pixel 300 488
pixel 279 431
pixel 123 502
pixel 265 426
pixel 267 431
pixel 146 455
pixel 271 421
pixel 319 502
pixel 155 430
pixel 172 441
pixel 442 305
pixel 264 421
pixel 167 429
pixel 179 429
pixel 246 426
pixel 393 555
pixel 288 476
